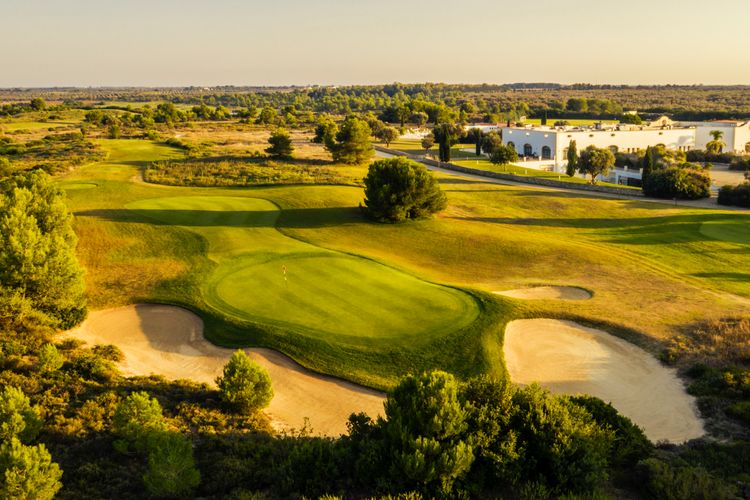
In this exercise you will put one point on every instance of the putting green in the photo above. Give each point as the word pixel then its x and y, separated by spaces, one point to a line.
pixel 263 275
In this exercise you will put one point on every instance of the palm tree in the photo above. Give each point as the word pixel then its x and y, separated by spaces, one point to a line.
pixel 717 145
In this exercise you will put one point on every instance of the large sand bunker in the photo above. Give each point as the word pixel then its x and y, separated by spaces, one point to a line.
pixel 547 293
pixel 169 341
pixel 569 358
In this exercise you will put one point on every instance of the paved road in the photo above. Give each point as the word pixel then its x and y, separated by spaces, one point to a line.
pixel 706 203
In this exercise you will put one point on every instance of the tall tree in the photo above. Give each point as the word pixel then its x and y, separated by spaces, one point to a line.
pixel 570 170
pixel 446 135
pixel 491 142
pixel 171 465
pixel 37 248
pixel 476 136
pixel 717 145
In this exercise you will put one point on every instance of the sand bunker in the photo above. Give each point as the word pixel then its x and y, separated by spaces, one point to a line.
pixel 169 341
pixel 571 359
pixel 548 293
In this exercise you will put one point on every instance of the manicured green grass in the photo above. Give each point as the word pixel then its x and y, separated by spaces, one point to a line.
pixel 30 125
pixel 268 277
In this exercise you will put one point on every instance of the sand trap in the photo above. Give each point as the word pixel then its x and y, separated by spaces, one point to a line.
pixel 548 293
pixel 571 359
pixel 169 341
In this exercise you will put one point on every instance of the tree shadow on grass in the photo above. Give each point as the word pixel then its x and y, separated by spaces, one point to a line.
pixel 745 277
pixel 295 218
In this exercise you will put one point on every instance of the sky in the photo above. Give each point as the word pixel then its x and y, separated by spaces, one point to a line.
pixel 301 42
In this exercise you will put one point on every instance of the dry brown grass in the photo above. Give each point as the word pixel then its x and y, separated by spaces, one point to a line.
pixel 712 343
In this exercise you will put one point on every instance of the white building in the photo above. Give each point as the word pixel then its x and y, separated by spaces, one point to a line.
pixel 548 146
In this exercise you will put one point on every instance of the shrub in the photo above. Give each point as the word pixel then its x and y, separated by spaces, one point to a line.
pixel 681 182
pixel 27 472
pixel 18 419
pixel 171 465
pixel 735 195
pixel 664 481
pixel 50 359
pixel 503 155
pixel 559 442
pixel 135 419
pixel 245 385
pixel 280 144
pixel 397 189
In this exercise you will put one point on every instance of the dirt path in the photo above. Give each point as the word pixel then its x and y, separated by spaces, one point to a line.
pixel 169 341
pixel 569 358
pixel 547 293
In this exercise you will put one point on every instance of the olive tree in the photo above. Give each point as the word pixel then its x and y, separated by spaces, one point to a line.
pixel 387 135
pixel 596 161
pixel 244 384
pixel 503 155
pixel 397 189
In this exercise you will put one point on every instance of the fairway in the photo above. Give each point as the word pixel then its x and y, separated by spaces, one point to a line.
pixel 265 276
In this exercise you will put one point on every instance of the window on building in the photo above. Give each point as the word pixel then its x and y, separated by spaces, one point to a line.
pixel 528 150
pixel 546 153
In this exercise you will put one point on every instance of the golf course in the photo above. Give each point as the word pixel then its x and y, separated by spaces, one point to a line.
pixel 300 270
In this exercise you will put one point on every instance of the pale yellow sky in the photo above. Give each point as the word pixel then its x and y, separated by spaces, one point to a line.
pixel 188 42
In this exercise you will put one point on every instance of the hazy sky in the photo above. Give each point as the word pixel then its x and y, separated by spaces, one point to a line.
pixel 217 42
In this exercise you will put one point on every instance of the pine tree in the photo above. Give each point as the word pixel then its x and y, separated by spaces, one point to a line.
pixel 27 472
pixel 572 159
pixel 280 144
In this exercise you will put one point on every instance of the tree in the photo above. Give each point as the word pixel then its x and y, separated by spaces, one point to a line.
pixel 570 170
pixel 503 155
pixel 419 118
pixel 50 359
pixel 18 419
pixel 491 142
pixel 245 385
pixel 427 142
pixel 27 472
pixel 6 169
pixel 425 426
pixel 687 181
pixel 37 248
pixel 446 135
pixel 171 465
pixel 387 135
pixel 38 104
pixel 325 131
pixel 135 419
pixel 280 144
pixel 716 146
pixel 476 136
pixel 267 116
pixel 352 143
pixel 596 161
pixel 397 189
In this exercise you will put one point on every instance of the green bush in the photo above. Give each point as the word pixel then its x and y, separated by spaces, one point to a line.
pixel 397 189
pixel 735 195
pixel 681 182
pixel 49 359
pixel 244 384
pixel 559 443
